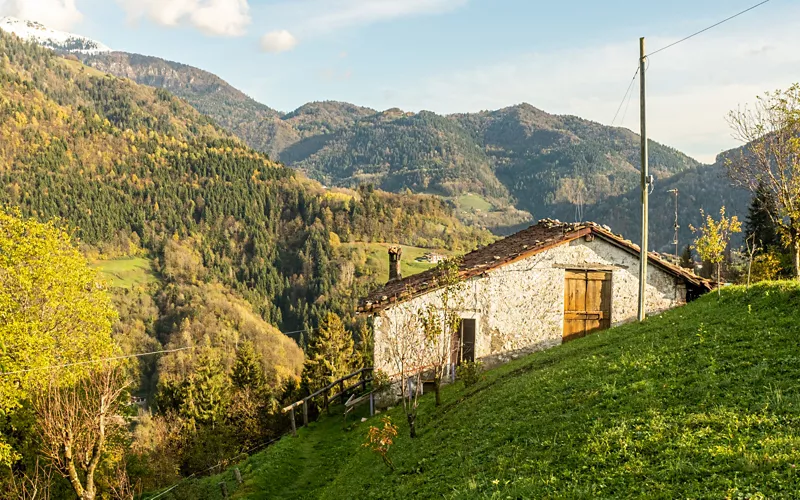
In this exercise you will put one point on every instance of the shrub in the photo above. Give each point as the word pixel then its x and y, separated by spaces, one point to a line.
pixel 380 439
pixel 470 372
pixel 380 381
pixel 766 267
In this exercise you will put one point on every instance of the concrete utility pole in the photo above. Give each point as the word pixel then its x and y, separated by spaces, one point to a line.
pixel 645 186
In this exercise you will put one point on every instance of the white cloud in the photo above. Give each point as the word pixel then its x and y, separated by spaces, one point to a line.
pixel 311 18
pixel 339 14
pixel 213 17
pixel 278 41
pixel 691 87
pixel 56 14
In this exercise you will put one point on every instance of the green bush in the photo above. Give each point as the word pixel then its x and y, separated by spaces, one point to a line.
pixel 380 381
pixel 470 372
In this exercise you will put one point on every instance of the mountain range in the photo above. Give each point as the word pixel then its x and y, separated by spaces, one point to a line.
pixel 135 170
pixel 50 38
pixel 499 169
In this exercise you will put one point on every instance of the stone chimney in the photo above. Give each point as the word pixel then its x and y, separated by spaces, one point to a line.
pixel 394 263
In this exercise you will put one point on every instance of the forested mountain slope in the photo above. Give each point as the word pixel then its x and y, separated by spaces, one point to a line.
pixel 515 161
pixel 516 158
pixel 124 162
pixel 704 187
pixel 257 124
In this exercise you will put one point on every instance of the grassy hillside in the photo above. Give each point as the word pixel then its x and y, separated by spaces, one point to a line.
pixel 700 402
pixel 126 272
pixel 377 260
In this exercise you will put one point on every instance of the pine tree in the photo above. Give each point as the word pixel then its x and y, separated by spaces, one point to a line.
pixel 760 219
pixel 247 371
pixel 687 261
pixel 203 394
pixel 330 354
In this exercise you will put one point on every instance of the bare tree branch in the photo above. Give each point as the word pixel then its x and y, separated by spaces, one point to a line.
pixel 771 157
pixel 75 422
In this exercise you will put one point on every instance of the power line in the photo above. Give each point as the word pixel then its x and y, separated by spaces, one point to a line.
pixel 91 361
pixel 633 79
pixel 708 28
pixel 118 358
pixel 630 86
pixel 300 331
pixel 625 113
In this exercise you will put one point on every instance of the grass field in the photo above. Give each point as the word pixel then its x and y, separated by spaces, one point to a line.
pixel 474 202
pixel 699 402
pixel 126 272
pixel 378 259
pixel 78 66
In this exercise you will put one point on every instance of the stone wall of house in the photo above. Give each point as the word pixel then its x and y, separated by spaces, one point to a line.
pixel 519 308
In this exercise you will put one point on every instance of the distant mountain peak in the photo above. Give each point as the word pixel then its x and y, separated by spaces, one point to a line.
pixel 62 41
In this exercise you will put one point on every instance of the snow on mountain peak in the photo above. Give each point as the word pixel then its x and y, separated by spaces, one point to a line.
pixel 52 39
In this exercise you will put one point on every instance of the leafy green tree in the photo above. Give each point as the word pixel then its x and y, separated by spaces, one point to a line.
pixel 247 371
pixel 52 311
pixel 203 395
pixel 713 239
pixel 330 353
pixel 760 223
pixel 366 344
pixel 687 262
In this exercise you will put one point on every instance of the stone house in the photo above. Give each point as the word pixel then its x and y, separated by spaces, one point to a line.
pixel 432 258
pixel 538 288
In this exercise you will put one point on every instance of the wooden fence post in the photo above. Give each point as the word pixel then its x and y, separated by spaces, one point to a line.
pixel 224 488
pixel 341 390
pixel 371 404
pixel 326 402
pixel 294 425
pixel 305 412
pixel 238 475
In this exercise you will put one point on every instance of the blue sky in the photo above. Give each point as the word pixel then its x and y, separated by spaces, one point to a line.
pixel 573 57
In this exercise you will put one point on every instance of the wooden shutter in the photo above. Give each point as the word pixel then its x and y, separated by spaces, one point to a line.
pixel 587 303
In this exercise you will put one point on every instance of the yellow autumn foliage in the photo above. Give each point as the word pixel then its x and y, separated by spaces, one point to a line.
pixel 52 311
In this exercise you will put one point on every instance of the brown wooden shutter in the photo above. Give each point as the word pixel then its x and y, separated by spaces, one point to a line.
pixel 587 303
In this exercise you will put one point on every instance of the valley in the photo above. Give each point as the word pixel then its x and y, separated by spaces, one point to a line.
pixel 525 163
pixel 191 279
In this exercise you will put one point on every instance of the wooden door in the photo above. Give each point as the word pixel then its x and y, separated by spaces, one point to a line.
pixel 468 327
pixel 587 303
pixel 462 342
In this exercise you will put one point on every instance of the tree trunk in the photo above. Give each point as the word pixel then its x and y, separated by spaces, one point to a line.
pixel 796 253
pixel 412 420
pixel 88 493
pixel 72 471
pixel 437 388
pixel 719 280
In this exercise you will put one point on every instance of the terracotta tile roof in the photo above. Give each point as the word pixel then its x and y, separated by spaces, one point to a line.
pixel 546 234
